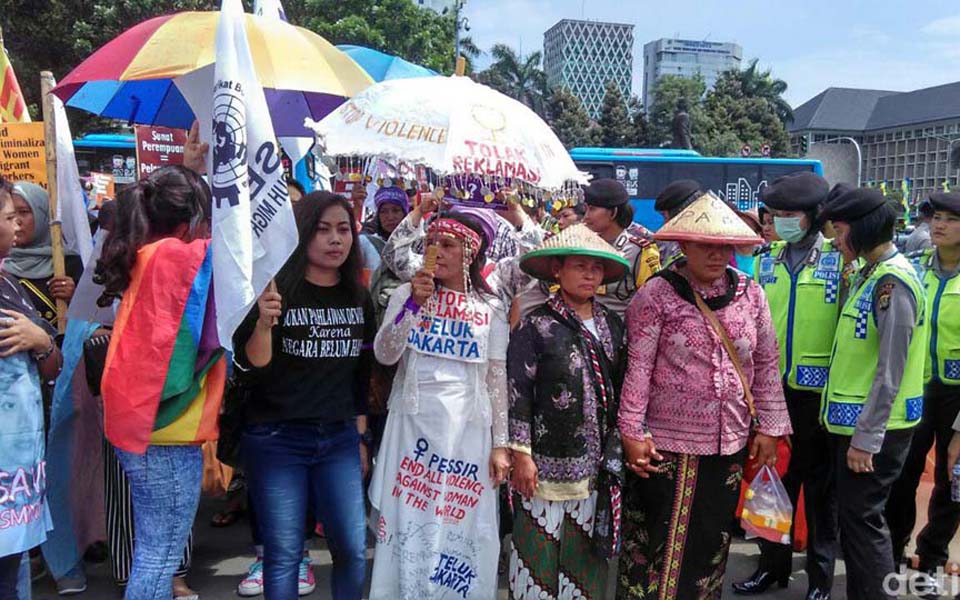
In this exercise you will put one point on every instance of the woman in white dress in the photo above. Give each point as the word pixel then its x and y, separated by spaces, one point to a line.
pixel 434 487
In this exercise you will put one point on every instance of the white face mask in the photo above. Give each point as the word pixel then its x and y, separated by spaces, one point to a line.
pixel 789 229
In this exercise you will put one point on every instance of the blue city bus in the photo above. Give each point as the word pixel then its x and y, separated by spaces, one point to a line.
pixel 646 171
pixel 116 154
pixel 113 153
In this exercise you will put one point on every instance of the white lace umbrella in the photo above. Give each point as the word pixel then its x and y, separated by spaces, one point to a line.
pixel 452 125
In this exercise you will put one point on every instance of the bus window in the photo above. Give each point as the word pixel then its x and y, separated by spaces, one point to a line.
pixel 708 175
pixel 598 170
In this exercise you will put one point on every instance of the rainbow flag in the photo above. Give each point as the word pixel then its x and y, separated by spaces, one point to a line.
pixel 165 371
pixel 13 109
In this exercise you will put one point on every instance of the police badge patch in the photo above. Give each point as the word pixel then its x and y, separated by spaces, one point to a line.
pixel 767 265
pixel 828 267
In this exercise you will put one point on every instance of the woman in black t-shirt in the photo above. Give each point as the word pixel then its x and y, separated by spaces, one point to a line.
pixel 307 351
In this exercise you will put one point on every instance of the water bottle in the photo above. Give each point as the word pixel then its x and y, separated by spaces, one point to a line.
pixel 955 484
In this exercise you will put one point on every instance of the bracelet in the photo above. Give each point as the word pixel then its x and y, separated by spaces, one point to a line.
pixel 409 306
pixel 42 356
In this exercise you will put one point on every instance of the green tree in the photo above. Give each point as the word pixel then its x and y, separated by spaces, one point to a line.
pixel 568 119
pixel 470 52
pixel 57 35
pixel 756 83
pixel 396 27
pixel 639 134
pixel 749 119
pixel 668 91
pixel 614 120
pixel 519 77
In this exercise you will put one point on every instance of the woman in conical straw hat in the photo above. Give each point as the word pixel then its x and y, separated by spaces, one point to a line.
pixel 564 365
pixel 688 407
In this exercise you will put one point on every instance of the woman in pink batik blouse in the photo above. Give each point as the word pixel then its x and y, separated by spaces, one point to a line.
pixel 686 414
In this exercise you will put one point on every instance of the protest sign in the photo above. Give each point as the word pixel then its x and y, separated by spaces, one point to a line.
pixel 457 329
pixel 158 147
pixel 22 153
pixel 104 187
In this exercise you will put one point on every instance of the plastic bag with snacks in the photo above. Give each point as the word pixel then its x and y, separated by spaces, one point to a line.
pixel 767 510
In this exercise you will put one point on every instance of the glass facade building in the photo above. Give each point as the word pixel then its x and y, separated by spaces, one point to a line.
pixel 584 55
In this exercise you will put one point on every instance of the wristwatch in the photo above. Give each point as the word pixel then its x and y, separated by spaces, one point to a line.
pixel 366 438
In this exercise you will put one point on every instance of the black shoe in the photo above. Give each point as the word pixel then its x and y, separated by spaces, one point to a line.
pixel 759 582
pixel 818 594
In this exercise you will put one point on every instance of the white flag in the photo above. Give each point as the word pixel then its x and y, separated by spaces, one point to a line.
pixel 71 211
pixel 254 231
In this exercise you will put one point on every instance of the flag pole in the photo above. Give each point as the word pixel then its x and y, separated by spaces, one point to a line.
pixel 47 83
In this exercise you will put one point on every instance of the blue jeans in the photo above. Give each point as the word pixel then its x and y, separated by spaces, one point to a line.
pixel 23 580
pixel 288 466
pixel 165 487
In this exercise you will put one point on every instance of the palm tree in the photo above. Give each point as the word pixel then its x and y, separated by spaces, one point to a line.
pixel 761 84
pixel 470 52
pixel 519 77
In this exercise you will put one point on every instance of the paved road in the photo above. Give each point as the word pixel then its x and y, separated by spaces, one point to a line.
pixel 221 557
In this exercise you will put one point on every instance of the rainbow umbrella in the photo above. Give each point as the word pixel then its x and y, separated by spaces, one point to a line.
pixel 382 67
pixel 137 76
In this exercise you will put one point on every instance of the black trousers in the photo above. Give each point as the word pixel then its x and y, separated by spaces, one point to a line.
pixel 862 498
pixel 811 465
pixel 9 570
pixel 941 404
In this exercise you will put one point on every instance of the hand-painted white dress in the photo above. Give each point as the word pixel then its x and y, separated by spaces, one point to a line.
pixel 435 515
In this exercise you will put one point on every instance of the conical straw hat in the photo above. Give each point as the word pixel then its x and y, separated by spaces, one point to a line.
pixel 709 221
pixel 576 240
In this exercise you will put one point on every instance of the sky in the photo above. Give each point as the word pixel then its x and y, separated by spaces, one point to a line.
pixel 811 44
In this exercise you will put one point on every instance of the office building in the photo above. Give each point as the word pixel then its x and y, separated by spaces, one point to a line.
pixel 686 58
pixel 901 134
pixel 584 55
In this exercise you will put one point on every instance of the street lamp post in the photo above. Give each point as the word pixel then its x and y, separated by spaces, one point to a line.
pixel 859 154
pixel 950 143
pixel 458 23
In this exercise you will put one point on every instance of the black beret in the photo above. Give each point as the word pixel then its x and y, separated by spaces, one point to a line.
pixel 948 201
pixel 855 204
pixel 837 191
pixel 796 191
pixel 677 194
pixel 605 193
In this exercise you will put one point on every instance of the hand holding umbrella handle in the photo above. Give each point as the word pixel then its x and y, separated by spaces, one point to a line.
pixel 430 259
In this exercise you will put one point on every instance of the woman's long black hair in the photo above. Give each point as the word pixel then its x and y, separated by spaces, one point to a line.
pixel 151 209
pixel 308 212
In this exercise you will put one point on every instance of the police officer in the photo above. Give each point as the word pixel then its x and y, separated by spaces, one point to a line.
pixel 939 269
pixel 801 277
pixel 610 215
pixel 674 198
pixel 874 393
